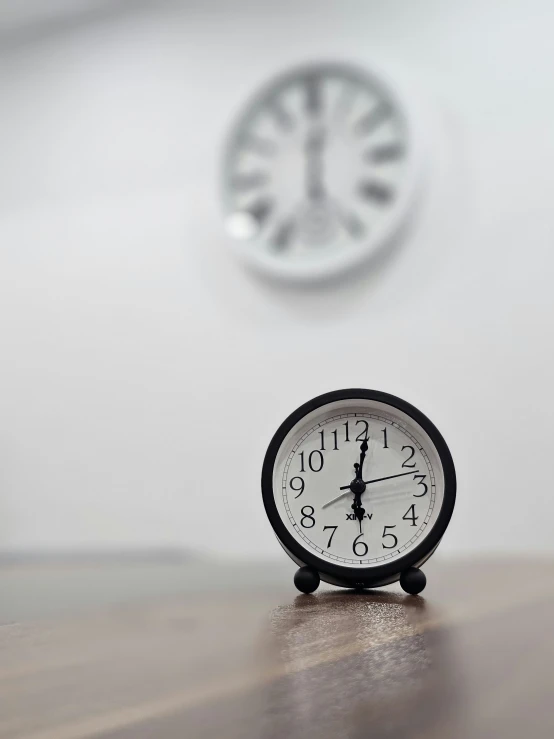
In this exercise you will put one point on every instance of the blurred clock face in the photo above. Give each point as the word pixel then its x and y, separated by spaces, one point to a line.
pixel 320 171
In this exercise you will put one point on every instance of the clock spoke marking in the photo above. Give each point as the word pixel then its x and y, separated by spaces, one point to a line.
pixel 245 181
pixel 284 234
pixel 373 119
pixel 258 144
pixel 352 223
pixel 313 88
pixel 282 116
pixel 375 191
pixel 345 101
pixel 260 210
pixel 384 153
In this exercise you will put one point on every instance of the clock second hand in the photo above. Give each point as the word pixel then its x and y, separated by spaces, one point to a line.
pixel 346 488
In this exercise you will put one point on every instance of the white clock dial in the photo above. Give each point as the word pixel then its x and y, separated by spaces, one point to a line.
pixel 403 488
pixel 320 171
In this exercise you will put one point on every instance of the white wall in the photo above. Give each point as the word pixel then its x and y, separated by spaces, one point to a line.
pixel 142 371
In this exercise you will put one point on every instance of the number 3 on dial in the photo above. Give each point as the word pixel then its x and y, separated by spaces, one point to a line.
pixel 420 479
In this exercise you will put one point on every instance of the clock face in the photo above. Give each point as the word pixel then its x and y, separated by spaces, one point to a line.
pixel 319 171
pixel 359 482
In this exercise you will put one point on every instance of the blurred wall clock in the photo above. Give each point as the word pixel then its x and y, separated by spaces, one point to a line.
pixel 320 171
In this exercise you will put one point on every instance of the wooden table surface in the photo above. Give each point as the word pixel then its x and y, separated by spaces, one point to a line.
pixel 202 651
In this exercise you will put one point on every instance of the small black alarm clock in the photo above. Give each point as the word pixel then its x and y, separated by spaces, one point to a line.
pixel 359 487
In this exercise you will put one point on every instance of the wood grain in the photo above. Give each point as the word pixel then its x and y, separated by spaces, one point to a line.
pixel 213 655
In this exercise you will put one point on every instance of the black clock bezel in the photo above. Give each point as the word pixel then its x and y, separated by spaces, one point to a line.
pixel 366 575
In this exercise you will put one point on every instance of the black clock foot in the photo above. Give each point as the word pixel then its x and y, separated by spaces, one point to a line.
pixel 306 580
pixel 413 581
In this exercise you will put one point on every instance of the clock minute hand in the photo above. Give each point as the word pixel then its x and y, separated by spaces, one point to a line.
pixel 380 479
pixel 363 452
pixel 346 488
pixel 368 482
pixel 357 486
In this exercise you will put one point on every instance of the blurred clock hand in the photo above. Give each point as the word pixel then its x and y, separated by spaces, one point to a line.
pixel 315 142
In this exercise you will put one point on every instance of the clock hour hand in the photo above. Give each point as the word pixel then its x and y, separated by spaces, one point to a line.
pixel 359 512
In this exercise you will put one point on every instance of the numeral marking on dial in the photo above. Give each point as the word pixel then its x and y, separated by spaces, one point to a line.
pixel 331 537
pixel 411 455
pixel 413 518
pixel 420 479
pixel 322 434
pixel 307 516
pixel 299 487
pixel 363 435
pixel 315 466
pixel 335 435
pixel 356 547
pixel 392 536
